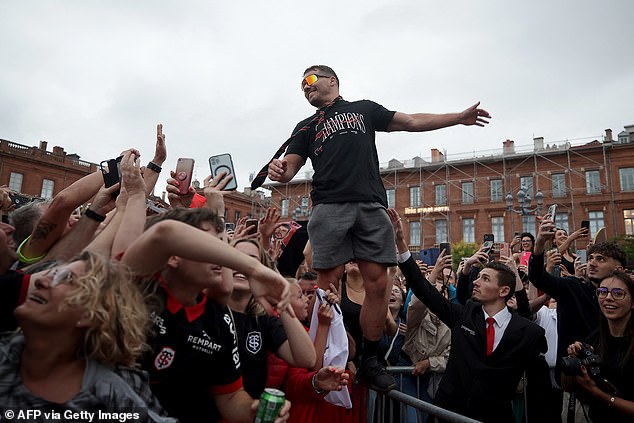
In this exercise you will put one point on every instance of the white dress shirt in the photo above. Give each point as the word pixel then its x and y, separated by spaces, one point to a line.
pixel 502 319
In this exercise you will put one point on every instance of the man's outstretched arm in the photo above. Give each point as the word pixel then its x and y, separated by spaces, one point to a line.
pixel 421 122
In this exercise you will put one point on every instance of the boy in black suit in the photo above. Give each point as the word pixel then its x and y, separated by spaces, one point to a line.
pixel 490 345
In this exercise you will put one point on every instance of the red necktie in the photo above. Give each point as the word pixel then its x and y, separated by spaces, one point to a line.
pixel 319 118
pixel 490 335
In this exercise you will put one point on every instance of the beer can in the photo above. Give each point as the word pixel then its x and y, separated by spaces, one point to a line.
pixel 271 402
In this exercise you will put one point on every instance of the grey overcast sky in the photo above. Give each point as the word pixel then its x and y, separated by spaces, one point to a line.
pixel 96 76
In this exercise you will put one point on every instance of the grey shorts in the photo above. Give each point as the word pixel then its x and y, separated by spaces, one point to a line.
pixel 340 232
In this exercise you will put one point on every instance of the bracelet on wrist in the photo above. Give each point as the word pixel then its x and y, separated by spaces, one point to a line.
pixel 23 258
pixel 154 167
pixel 94 215
pixel 611 401
pixel 313 381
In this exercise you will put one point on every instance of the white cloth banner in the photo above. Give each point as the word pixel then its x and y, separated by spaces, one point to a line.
pixel 336 353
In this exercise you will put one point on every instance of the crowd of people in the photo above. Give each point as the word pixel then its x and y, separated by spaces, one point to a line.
pixel 179 317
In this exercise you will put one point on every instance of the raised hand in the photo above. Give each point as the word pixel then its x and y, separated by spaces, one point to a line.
pixel 131 178
pixel 5 201
pixel 160 151
pixel 269 223
pixel 474 116
pixel 175 198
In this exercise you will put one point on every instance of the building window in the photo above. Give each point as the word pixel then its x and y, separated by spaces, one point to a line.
pixel 468 230
pixel 467 193
pixel 391 197
pixel 526 184
pixel 528 224
pixel 15 182
pixel 236 216
pixel 561 221
pixel 628 217
pixel 441 231
pixel 304 206
pixel 596 222
pixel 496 190
pixel 414 233
pixel 414 196
pixel 627 178
pixel 559 185
pixel 47 189
pixel 593 182
pixel 497 228
pixel 285 204
pixel 441 195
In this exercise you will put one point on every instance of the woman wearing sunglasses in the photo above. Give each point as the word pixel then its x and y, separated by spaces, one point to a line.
pixel 611 393
pixel 83 327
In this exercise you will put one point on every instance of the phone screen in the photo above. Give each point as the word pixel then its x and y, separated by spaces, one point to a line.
pixel 583 256
pixel 111 173
pixel 586 224
pixel 505 249
pixel 552 211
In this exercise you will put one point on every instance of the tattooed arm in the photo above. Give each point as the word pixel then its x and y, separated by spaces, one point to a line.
pixel 54 221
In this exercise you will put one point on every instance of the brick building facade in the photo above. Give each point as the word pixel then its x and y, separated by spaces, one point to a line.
pixel 36 172
pixel 464 197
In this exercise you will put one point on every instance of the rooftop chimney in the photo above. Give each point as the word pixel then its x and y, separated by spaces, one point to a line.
pixel 538 143
pixel 608 135
pixel 437 156
pixel 43 145
pixel 58 150
pixel 509 147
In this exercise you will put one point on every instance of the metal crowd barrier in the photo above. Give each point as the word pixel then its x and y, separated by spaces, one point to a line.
pixel 381 406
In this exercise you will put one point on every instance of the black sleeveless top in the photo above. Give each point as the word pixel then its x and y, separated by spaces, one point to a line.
pixel 351 312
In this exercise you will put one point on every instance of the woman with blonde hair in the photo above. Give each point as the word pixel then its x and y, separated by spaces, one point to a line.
pixel 83 328
pixel 259 333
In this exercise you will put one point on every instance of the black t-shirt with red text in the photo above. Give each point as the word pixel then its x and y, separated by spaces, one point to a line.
pixel 344 158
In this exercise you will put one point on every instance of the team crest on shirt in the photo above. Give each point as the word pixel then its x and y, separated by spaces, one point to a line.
pixel 254 342
pixel 164 358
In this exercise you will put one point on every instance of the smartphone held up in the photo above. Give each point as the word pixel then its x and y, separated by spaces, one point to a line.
pixel 111 171
pixel 223 163
pixel 183 174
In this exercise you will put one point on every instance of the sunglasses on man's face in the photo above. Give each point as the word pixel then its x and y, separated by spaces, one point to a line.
pixel 617 293
pixel 311 79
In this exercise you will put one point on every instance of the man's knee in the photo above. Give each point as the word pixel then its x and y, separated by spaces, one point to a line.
pixel 375 278
pixel 325 277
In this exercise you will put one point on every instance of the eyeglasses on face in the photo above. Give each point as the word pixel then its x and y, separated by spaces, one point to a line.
pixel 311 79
pixel 60 276
pixel 617 293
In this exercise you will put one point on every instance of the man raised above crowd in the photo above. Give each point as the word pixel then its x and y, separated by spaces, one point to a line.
pixel 349 218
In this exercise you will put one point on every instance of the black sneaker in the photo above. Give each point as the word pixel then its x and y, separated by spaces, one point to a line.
pixel 374 374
